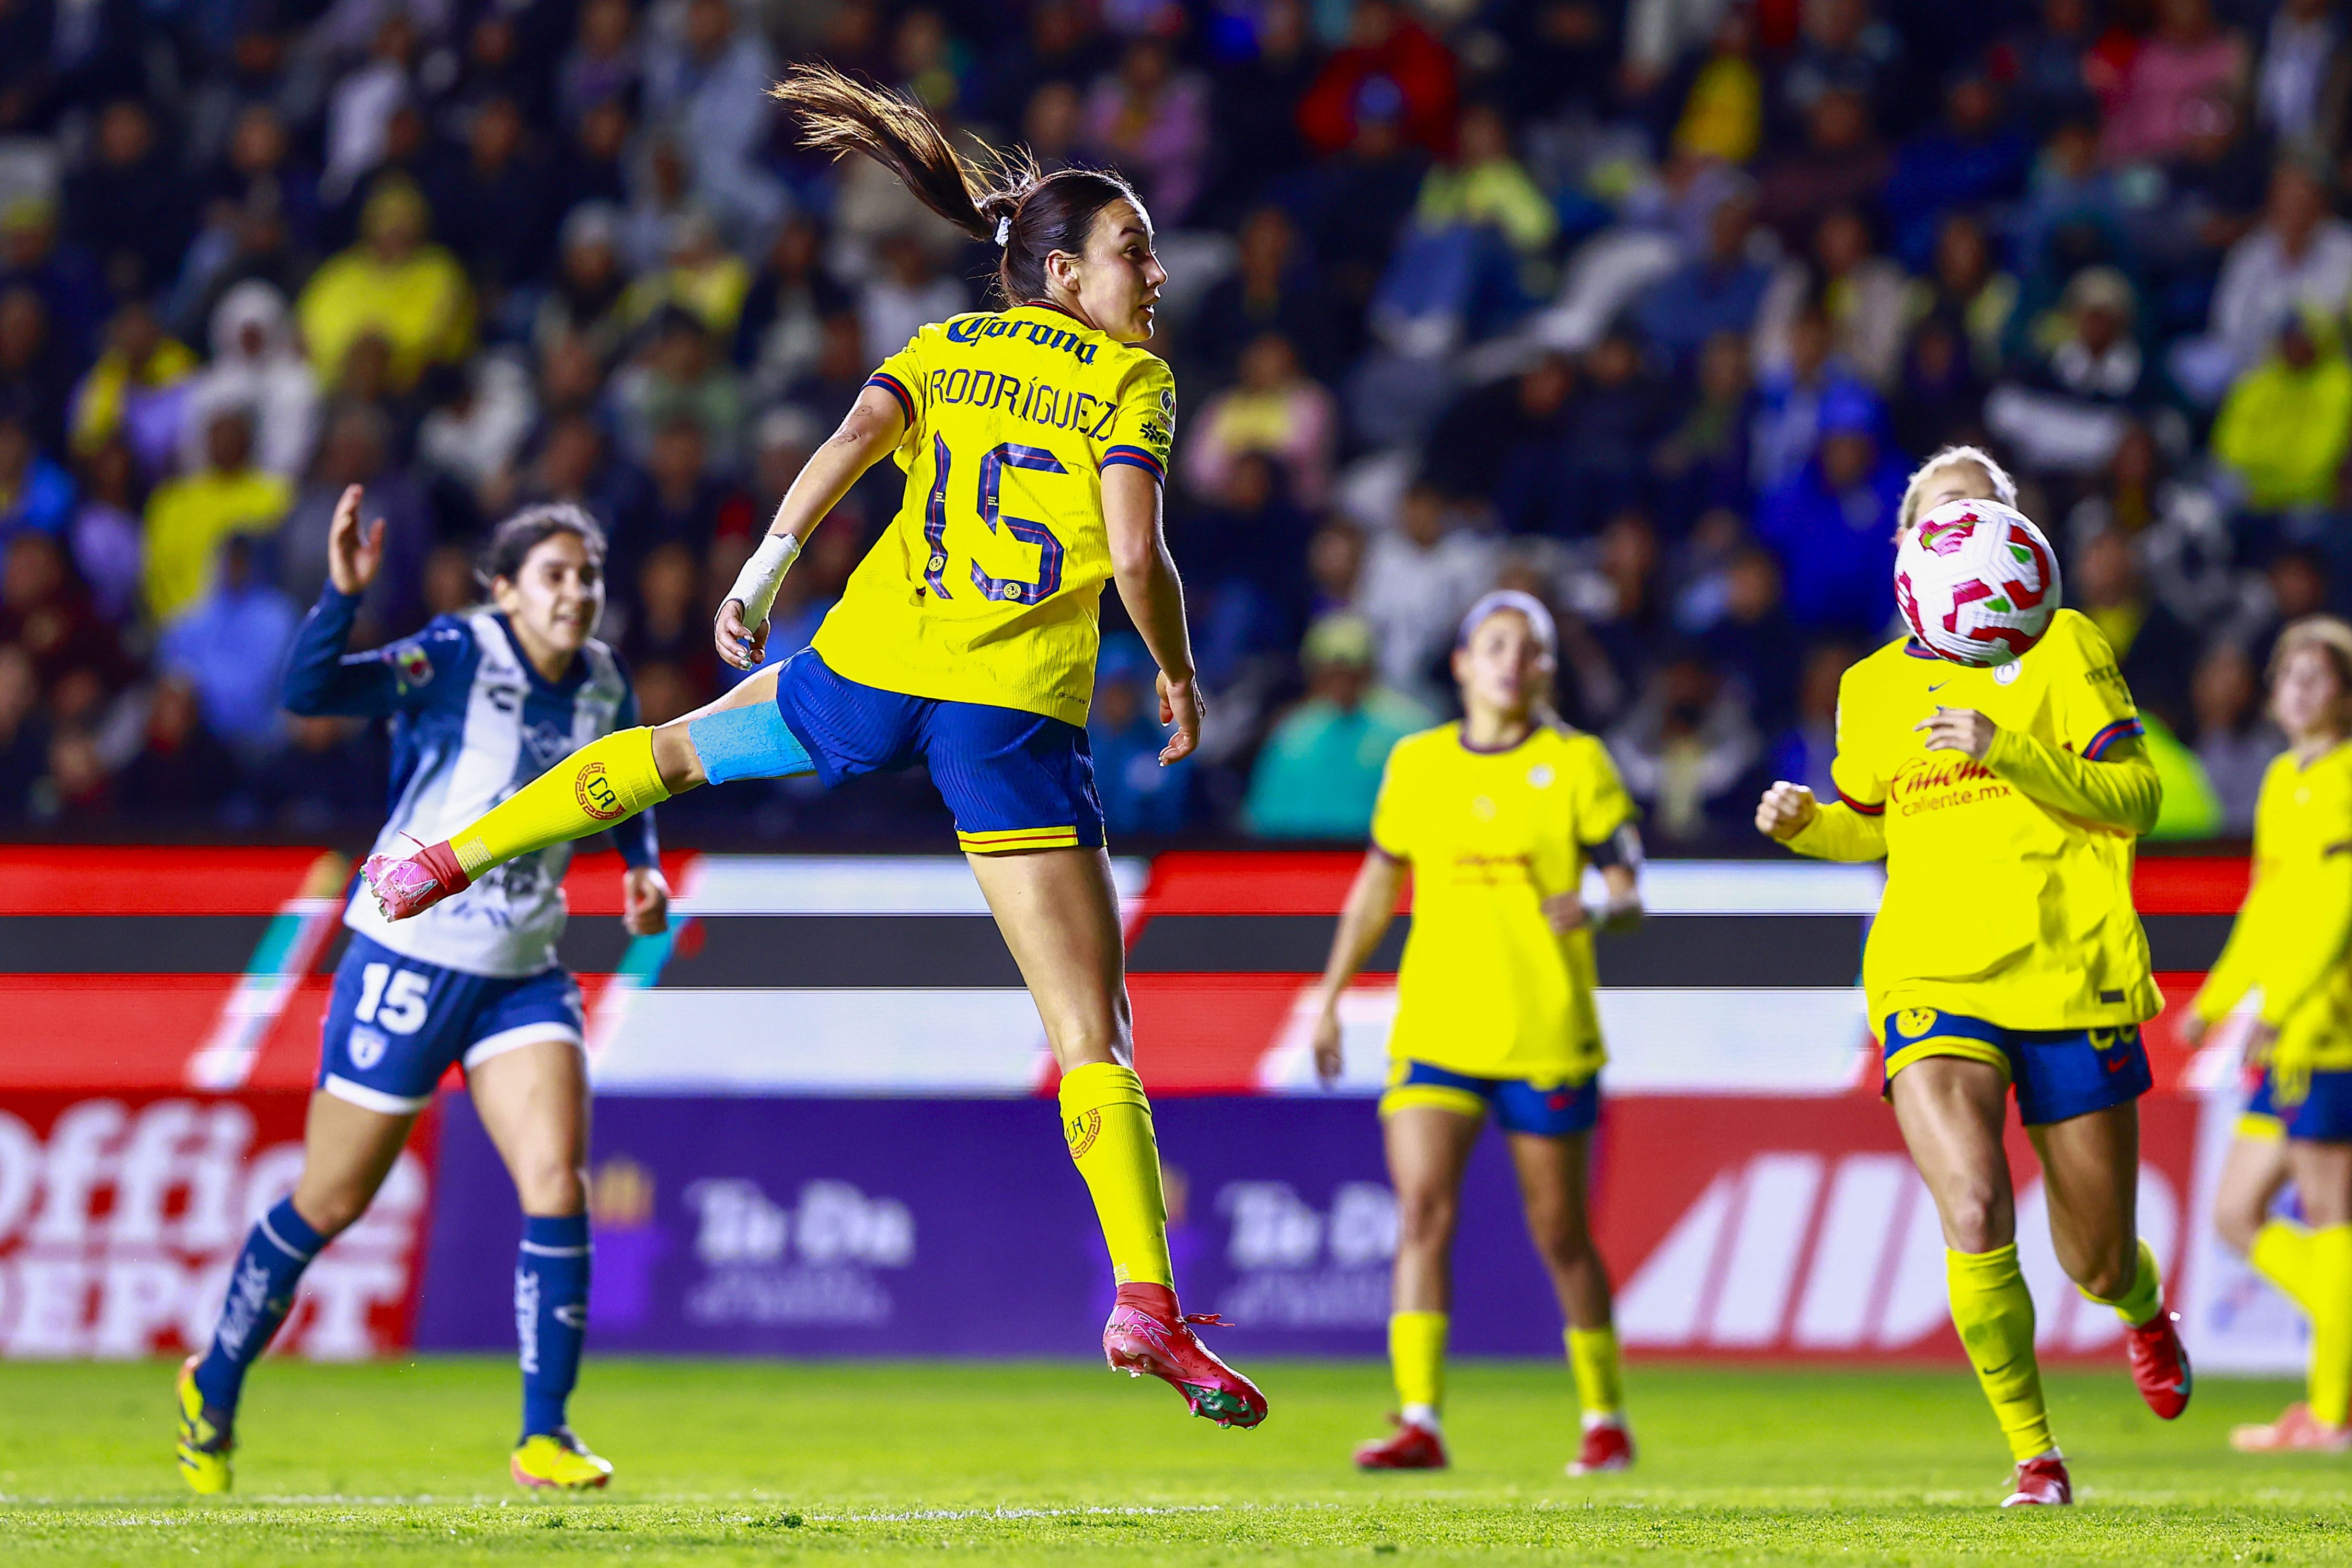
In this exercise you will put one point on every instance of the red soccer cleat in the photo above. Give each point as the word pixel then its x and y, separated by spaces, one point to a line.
pixel 411 884
pixel 1412 1446
pixel 2158 1364
pixel 1607 1448
pixel 1147 1334
pixel 2041 1482
pixel 2293 1432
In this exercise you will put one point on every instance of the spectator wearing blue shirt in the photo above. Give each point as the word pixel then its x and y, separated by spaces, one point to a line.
pixel 1719 291
pixel 1832 525
pixel 34 493
pixel 1139 795
pixel 230 646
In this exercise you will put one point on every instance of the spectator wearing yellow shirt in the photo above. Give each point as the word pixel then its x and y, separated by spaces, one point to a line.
pixel 2286 425
pixel 701 276
pixel 188 517
pixel 393 285
pixel 134 386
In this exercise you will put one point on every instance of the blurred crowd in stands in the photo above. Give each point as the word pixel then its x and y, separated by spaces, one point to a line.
pixel 1644 305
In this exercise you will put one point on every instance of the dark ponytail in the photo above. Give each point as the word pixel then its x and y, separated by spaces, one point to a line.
pixel 1041 213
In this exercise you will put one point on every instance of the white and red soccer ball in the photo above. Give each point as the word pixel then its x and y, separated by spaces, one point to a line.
pixel 1977 582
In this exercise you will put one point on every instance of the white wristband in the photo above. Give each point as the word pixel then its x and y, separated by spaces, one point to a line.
pixel 755 586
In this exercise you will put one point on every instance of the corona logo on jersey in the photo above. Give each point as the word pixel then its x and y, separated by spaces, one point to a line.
pixel 120 1221
pixel 1976 583
pixel 595 793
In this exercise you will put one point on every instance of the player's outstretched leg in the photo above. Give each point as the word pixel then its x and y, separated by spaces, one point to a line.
pixel 1106 1121
pixel 1058 911
pixel 741 735
pixel 261 1293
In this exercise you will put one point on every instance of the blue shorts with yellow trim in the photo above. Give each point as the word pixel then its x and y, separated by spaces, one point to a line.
pixel 1013 780
pixel 2323 1114
pixel 1520 1105
pixel 2058 1073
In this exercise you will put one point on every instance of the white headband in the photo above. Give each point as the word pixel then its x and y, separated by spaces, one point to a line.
pixel 1539 618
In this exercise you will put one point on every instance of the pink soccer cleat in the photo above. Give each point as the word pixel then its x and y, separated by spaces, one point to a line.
pixel 2158 1364
pixel 2041 1482
pixel 1607 1448
pixel 1147 1334
pixel 411 884
pixel 1410 1447
pixel 2295 1431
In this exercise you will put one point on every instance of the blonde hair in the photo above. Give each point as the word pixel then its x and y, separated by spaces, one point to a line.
pixel 2004 489
pixel 2330 636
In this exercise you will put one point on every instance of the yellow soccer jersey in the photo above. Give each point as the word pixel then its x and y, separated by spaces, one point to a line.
pixel 1997 907
pixel 1487 988
pixel 2290 936
pixel 987 585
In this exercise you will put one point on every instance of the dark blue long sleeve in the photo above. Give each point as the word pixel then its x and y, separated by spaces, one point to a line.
pixel 321 678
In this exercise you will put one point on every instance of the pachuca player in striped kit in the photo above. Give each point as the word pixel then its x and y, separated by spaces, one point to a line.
pixel 480 702
pixel 1034 440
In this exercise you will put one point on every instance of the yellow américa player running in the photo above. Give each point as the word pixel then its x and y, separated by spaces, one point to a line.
pixel 1496 818
pixel 2006 955
pixel 1034 439
pixel 2288 966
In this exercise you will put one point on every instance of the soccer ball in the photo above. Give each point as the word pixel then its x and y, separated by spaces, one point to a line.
pixel 1977 582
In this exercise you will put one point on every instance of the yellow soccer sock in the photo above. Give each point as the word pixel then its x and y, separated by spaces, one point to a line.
pixel 2314 1267
pixel 1417 1357
pixel 605 781
pixel 2145 1300
pixel 2331 1325
pixel 1108 1122
pixel 1994 1313
pixel 1600 1379
pixel 2283 1254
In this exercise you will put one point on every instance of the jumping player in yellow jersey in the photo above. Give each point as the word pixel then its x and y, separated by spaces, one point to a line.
pixel 1034 440
pixel 2006 955
pixel 2288 966
pixel 1497 818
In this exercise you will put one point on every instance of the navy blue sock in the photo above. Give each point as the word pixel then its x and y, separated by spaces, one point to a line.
pixel 260 1294
pixel 550 1315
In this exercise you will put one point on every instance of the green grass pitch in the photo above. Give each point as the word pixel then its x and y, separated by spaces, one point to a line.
pixel 766 1462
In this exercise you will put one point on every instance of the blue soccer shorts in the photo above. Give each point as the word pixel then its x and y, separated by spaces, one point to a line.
pixel 1560 1110
pixel 2321 1113
pixel 2059 1074
pixel 395 1026
pixel 1013 780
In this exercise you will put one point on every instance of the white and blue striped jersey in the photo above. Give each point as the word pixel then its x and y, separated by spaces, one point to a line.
pixel 472 721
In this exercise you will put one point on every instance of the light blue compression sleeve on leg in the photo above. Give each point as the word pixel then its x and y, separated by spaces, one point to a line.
pixel 751 742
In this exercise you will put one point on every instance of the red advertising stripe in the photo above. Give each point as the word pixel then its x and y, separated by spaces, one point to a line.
pixel 77 881
pixel 1205 1034
pixel 2197 885
pixel 114 1032
pixel 1254 882
pixel 592 885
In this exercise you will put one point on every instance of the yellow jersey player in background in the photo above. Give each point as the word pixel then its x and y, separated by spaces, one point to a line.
pixel 1034 439
pixel 2288 970
pixel 1497 818
pixel 2006 955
